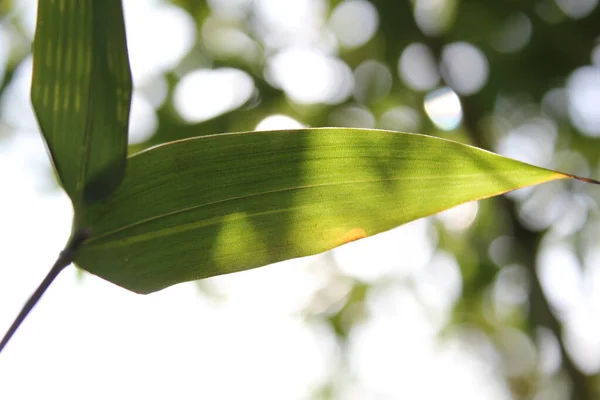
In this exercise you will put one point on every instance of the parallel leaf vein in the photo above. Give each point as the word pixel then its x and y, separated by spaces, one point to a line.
pixel 104 235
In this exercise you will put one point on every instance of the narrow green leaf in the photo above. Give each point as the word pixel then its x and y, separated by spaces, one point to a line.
pixel 219 204
pixel 81 92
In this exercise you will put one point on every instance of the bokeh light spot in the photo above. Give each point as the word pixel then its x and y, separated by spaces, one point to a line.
pixel 354 22
pixel 460 217
pixel 556 103
pixel 532 142
pixel 560 275
pixel 443 108
pixel 204 94
pixel 278 121
pixel 232 10
pixel 15 104
pixel 577 8
pixel 518 350
pixel 142 121
pixel 417 67
pixel 281 24
pixel 500 250
pixel 439 284
pixel 26 11
pixel 400 118
pixel 511 289
pixel 434 16
pixel 581 339
pixel 154 51
pixel 352 117
pixel 373 80
pixel 310 77
pixel 548 351
pixel 514 34
pixel 226 42
pixel 154 90
pixel 464 67
pixel 583 89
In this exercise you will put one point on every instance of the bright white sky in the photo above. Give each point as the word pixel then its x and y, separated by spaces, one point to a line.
pixel 90 339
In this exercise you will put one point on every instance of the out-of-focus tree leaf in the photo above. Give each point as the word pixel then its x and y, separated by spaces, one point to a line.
pixel 218 204
pixel 81 93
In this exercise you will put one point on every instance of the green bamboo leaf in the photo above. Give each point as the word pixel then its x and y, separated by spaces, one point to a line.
pixel 218 204
pixel 81 93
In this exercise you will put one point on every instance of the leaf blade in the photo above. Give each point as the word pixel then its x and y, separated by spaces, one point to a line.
pixel 81 93
pixel 224 203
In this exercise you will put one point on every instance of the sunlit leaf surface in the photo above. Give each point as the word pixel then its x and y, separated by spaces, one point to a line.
pixel 219 204
pixel 81 92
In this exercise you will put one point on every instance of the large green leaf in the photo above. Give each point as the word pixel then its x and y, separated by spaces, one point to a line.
pixel 81 92
pixel 224 203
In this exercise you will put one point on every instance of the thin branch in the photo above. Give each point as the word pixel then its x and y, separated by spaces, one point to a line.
pixel 64 259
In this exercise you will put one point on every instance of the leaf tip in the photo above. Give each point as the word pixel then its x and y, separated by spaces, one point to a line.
pixel 582 179
pixel 589 180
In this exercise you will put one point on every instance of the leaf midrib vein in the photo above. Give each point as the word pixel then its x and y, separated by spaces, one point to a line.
pixel 197 206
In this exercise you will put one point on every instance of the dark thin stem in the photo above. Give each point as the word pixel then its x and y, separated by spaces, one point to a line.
pixel 60 264
pixel 64 259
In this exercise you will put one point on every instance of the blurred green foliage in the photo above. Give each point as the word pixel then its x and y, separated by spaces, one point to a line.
pixel 533 50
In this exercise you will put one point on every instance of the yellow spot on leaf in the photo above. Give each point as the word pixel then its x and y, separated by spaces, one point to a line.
pixel 353 235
